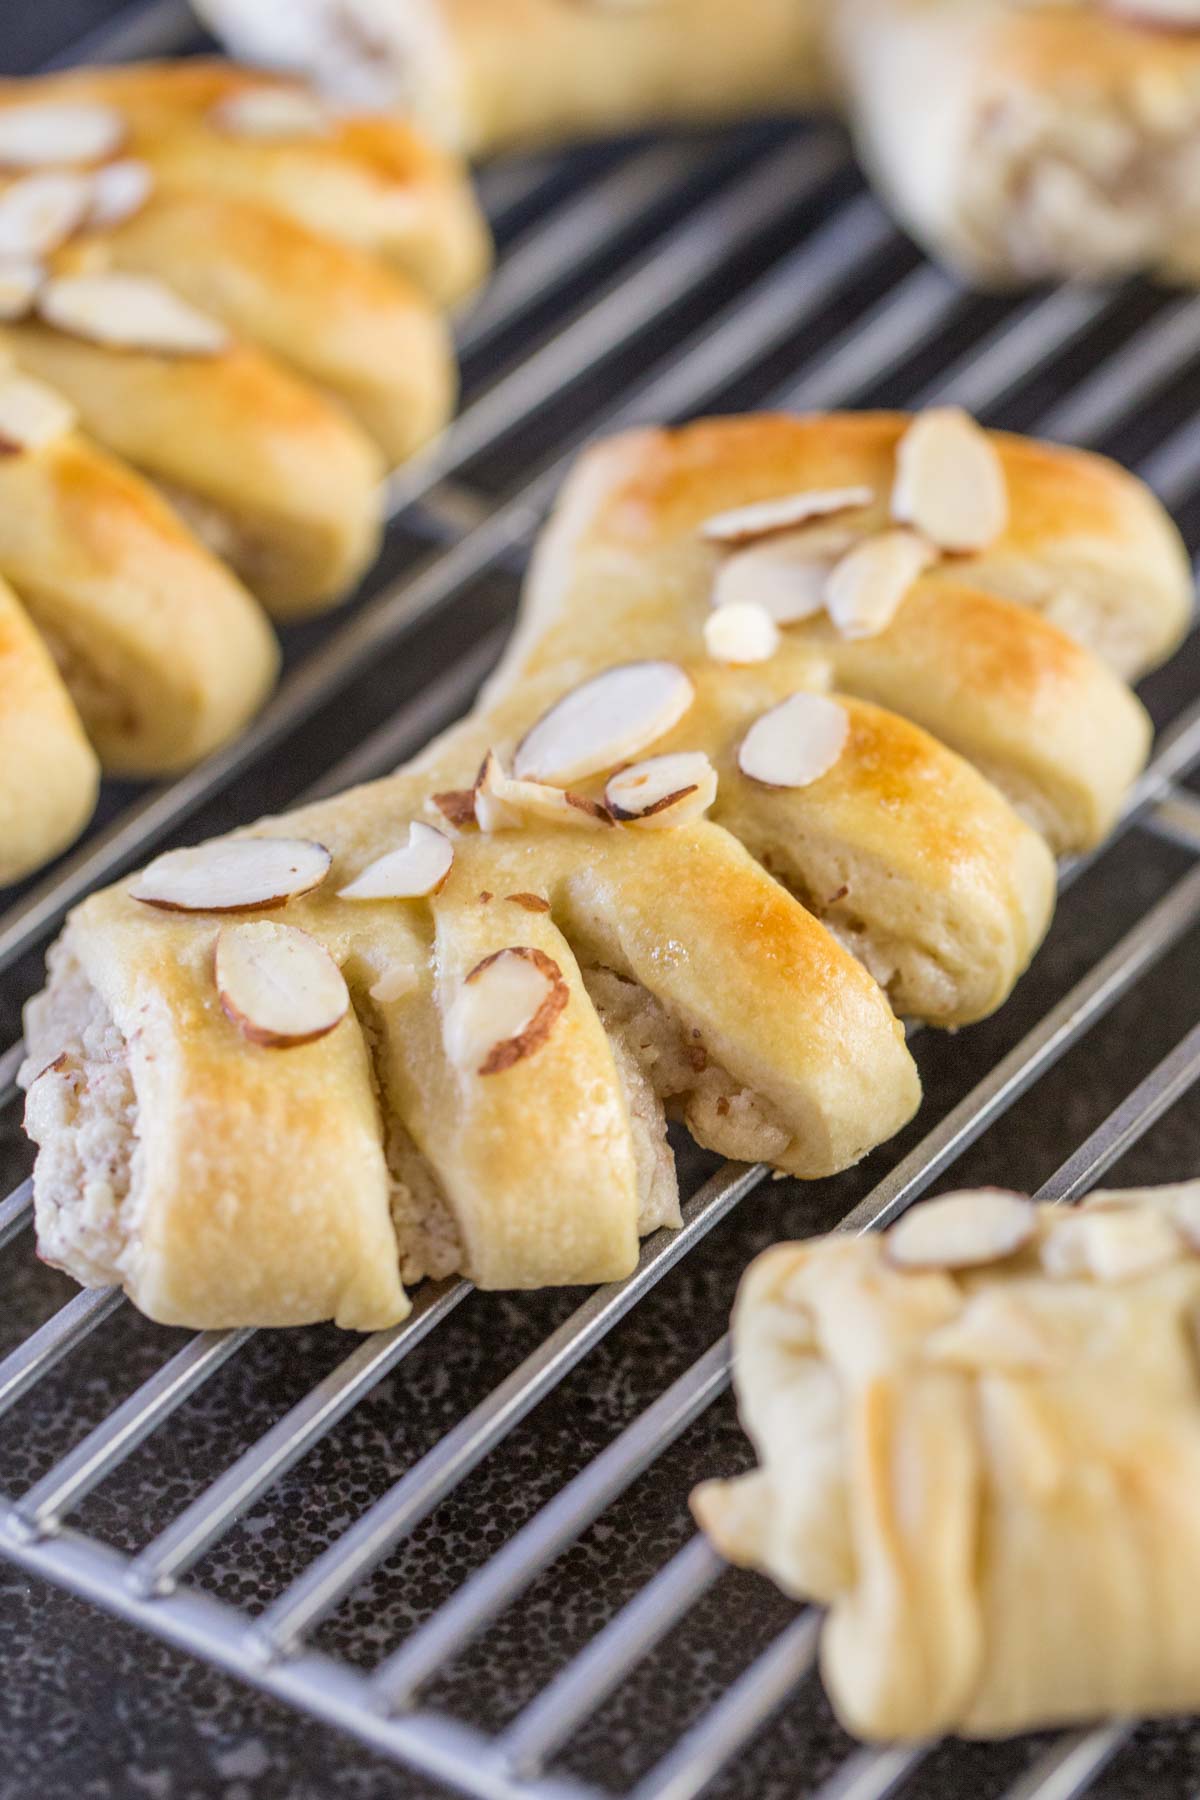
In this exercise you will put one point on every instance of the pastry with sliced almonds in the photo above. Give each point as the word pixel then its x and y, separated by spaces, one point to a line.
pixel 625 887
pixel 978 1441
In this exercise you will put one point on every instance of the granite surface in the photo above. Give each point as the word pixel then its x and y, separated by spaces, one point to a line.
pixel 90 1708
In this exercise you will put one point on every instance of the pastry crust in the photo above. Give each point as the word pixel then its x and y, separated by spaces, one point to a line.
pixel 985 1473
pixel 164 654
pixel 370 181
pixel 337 316
pixel 543 1171
pixel 275 478
pixel 48 771
pixel 485 76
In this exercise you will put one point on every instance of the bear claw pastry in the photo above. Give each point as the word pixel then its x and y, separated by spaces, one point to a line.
pixel 618 889
pixel 978 1437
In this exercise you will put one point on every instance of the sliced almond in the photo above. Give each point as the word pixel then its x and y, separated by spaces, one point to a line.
pixel 741 634
pixel 606 721
pixel 505 1009
pixel 503 803
pixel 32 415
pixel 950 482
pixel 746 524
pixel 457 807
pixel 663 790
pixel 962 1231
pixel 233 875
pixel 38 137
pixel 278 985
pixel 395 984
pixel 119 190
pixel 795 743
pixel 1180 15
pixel 418 868
pixel 272 112
pixel 39 213
pixel 20 283
pixel 786 577
pixel 867 588
pixel 1111 1244
pixel 533 903
pixel 130 312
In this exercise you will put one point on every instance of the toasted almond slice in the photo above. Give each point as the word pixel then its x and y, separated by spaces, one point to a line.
pixel 457 807
pixel 741 633
pixel 20 283
pixel 950 481
pixel 418 868
pixel 606 721
pixel 505 1009
pixel 32 415
pixel 1111 1244
pixel 867 588
pixel 786 577
pixel 39 213
pixel 130 312
pixel 39 137
pixel 534 903
pixel 505 804
pixel 663 790
pixel 746 524
pixel 272 112
pixel 962 1231
pixel 1180 15
pixel 278 984
pixel 119 190
pixel 796 742
pixel 233 875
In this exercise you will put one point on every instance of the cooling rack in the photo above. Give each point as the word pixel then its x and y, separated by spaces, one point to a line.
pixel 497 1588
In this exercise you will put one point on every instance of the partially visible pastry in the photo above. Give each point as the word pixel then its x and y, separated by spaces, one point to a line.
pixel 486 75
pixel 49 775
pixel 165 655
pixel 274 477
pixel 1030 142
pixel 211 128
pixel 978 1437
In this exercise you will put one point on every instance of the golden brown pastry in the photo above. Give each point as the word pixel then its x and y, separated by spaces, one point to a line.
pixel 164 654
pixel 48 771
pixel 337 316
pixel 484 75
pixel 269 473
pixel 479 983
pixel 978 1438
pixel 211 128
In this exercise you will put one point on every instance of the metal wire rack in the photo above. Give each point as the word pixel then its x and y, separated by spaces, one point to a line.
pixel 642 281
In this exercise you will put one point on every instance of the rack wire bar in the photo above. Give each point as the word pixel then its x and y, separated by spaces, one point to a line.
pixel 119 1435
pixel 1093 407
pixel 192 1621
pixel 1071 1765
pixel 331 1577
pixel 757 1694
pixel 579 1690
pixel 16 1212
pixel 23 1367
pixel 567 1516
pixel 157 1568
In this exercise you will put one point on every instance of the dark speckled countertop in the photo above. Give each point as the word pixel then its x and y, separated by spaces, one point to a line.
pixel 89 1708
